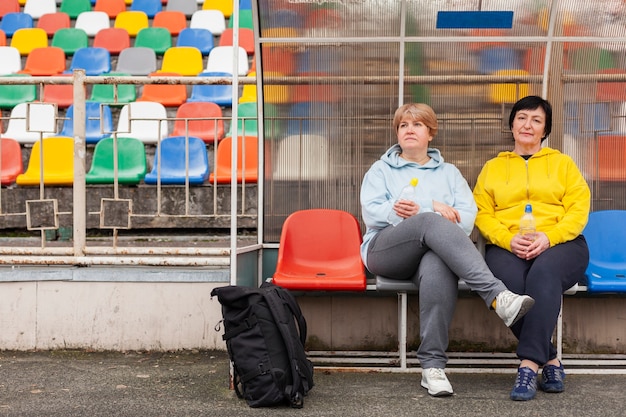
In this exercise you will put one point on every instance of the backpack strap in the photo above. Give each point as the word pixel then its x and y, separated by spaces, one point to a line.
pixel 248 323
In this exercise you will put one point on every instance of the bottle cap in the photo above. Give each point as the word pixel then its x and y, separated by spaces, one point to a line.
pixel 413 182
pixel 528 209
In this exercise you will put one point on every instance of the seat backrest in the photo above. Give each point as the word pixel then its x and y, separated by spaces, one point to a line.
pixel 27 39
pixel 9 6
pixel 213 20
pixel 70 40
pixel 144 120
pixel 498 58
pixel 320 250
pixel 220 94
pixel 200 119
pixel 60 94
pixel 3 38
pixel 246 20
pixel 173 20
pixel 306 157
pixel 94 60
pixel 247 160
pixel 131 20
pixel 169 95
pixel 12 164
pixel 12 95
pixel 137 61
pixel 221 60
pixel 247 120
pixel 58 163
pixel 105 93
pixel 98 122
pixel 158 39
pixel 92 22
pixel 605 234
pixel 113 40
pixel 246 39
pixel 188 7
pixel 131 162
pixel 111 7
pixel 75 7
pixel 173 167
pixel 224 6
pixel 508 93
pixel 149 7
pixel 184 60
pixel 14 21
pixel 30 120
pixel 10 60
pixel 51 22
pixel 38 8
pixel 45 61
pixel 202 39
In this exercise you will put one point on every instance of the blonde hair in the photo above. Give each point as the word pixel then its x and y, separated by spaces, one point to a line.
pixel 420 112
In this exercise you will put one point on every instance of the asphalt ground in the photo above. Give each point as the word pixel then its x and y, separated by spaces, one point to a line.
pixel 79 383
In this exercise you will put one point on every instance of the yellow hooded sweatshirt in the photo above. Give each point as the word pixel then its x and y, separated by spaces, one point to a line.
pixel 549 180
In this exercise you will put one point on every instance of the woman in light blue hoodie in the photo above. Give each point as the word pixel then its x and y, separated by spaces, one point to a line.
pixel 430 245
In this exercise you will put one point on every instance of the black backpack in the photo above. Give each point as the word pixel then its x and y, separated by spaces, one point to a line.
pixel 265 333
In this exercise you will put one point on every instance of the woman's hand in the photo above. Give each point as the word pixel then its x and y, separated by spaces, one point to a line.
pixel 529 246
pixel 446 211
pixel 406 208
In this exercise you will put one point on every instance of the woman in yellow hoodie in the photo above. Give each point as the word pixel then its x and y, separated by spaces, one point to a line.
pixel 547 262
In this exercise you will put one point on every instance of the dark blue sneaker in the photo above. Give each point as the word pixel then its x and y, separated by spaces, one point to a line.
pixel 552 378
pixel 525 385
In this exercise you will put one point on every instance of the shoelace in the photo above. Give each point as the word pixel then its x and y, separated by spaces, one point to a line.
pixel 553 374
pixel 524 378
pixel 437 373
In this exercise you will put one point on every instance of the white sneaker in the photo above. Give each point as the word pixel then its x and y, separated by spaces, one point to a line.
pixel 436 382
pixel 511 307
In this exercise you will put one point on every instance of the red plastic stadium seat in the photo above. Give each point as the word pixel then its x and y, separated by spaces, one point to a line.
pixel 320 250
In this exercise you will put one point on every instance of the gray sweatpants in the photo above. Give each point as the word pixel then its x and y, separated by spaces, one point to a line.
pixel 434 253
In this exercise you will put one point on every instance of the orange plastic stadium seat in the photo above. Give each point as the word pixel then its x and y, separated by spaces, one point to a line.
pixel 172 20
pixel 58 163
pixel 45 61
pixel 320 250
pixel 611 157
pixel 201 119
pixel 52 22
pixel 11 161
pixel 114 40
pixel 168 95
pixel 247 150
pixel 110 7
pixel 3 38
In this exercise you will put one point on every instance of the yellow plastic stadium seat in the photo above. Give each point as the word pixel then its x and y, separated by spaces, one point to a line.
pixel 58 163
pixel 131 20
pixel 224 6
pixel 27 39
pixel 508 93
pixel 184 60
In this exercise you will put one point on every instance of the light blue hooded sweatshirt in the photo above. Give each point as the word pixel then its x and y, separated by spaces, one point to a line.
pixel 437 180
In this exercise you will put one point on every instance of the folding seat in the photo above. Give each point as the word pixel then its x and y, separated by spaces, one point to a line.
pixel 52 22
pixel 57 166
pixel 3 38
pixel 106 93
pixel 605 234
pixel 131 162
pixel 149 7
pixel 158 39
pixel 188 7
pixel 137 61
pixel 221 60
pixel 27 39
pixel 172 20
pixel 179 160
pixel 39 118
pixel 75 7
pixel 184 60
pixel 247 161
pixel 38 8
pixel 245 4
pixel 143 120
pixel 98 122
pixel 12 95
pixel 320 250
pixel 221 94
pixel 60 94
pixel 9 6
pixel 95 61
pixel 10 60
pixel 246 39
pixel 169 95
pixel 113 40
pixel 247 117
pixel 246 19
pixel 92 22
pixel 70 40
pixel 212 20
pixel 45 61
pixel 201 119
pixel 11 159
pixel 248 91
pixel 14 21
pixel 224 6
pixel 132 21
pixel 111 7
pixel 202 39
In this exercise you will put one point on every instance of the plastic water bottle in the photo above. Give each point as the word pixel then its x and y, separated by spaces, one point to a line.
pixel 407 193
pixel 527 223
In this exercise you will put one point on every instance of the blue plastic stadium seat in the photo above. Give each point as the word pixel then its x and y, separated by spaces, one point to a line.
pixel 173 169
pixel 498 58
pixel 97 127
pixel 220 94
pixel 606 233
pixel 11 22
pixel 94 60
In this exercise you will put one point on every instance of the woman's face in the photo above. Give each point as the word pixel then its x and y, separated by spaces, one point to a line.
pixel 529 127
pixel 413 134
